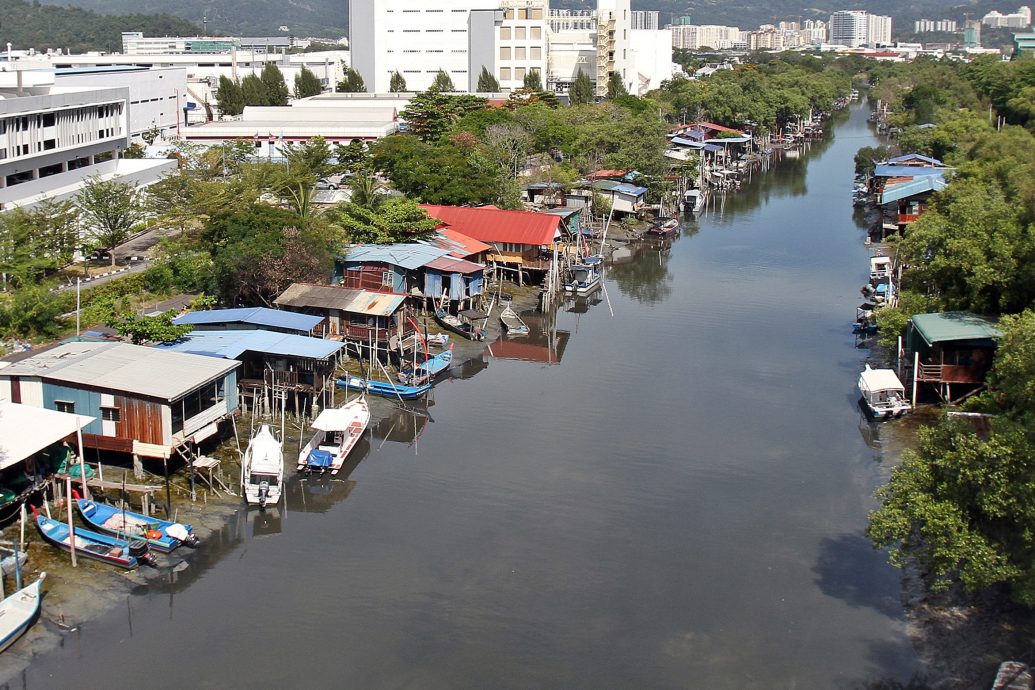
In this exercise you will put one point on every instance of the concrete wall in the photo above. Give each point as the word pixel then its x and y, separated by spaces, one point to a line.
pixel 156 96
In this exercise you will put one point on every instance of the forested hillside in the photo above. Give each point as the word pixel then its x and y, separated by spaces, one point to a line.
pixel 25 25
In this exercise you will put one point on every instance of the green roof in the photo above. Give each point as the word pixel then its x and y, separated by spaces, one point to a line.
pixel 955 325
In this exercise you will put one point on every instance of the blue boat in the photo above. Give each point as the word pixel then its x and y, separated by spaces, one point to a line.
pixel 426 371
pixel 99 547
pixel 385 389
pixel 162 535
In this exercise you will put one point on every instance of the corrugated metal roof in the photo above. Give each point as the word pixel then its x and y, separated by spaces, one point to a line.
pixel 955 325
pixel 885 170
pixel 683 141
pixel 919 185
pixel 459 245
pixel 232 344
pixel 914 157
pixel 406 255
pixel 447 264
pixel 622 187
pixel 604 174
pixel 496 225
pixel 26 430
pixel 121 367
pixel 259 316
pixel 347 299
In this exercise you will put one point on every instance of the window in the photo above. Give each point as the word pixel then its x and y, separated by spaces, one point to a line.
pixel 387 279
pixel 111 414
pixel 519 53
pixel 505 33
pixel 64 406
pixel 505 73
pixel 535 53
pixel 520 33
pixel 504 53
pixel 536 33
pixel 519 73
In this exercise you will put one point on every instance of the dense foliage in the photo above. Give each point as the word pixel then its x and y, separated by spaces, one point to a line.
pixel 30 25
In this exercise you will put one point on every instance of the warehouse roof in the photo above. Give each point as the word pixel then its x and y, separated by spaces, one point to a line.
pixel 258 316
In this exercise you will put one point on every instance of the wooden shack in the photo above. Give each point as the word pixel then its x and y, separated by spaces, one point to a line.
pixel 950 353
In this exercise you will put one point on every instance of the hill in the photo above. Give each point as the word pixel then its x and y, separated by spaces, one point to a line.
pixel 325 18
pixel 45 26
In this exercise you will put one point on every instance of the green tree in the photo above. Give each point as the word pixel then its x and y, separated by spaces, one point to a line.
pixel 253 91
pixel 307 84
pixel 110 210
pixel 432 113
pixel 442 82
pixel 486 82
pixel 353 156
pixel 273 80
pixel 150 329
pixel 615 87
pixel 230 97
pixel 366 190
pixel 396 219
pixel 352 83
pixel 36 241
pixel 397 83
pixel 581 91
pixel 33 311
pixel 1012 381
pixel 533 80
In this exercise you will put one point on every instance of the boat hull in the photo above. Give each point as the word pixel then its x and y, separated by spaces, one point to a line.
pixel 109 520
pixel 464 330
pixel 98 547
pixel 384 389
pixel 19 612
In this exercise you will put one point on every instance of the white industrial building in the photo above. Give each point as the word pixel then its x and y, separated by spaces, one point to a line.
pixel 53 138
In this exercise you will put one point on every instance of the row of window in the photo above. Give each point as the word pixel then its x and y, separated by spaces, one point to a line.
pixel 520 53
pixel 521 32
pixel 518 72
pixel 525 13
pixel 108 414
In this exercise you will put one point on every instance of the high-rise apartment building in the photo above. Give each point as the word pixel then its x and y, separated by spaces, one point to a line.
pixel 697 36
pixel 854 28
pixel 1016 20
pixel 645 20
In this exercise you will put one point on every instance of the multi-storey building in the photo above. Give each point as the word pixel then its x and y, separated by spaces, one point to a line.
pixel 136 43
pixel 854 28
pixel 697 36
pixel 614 21
pixel 645 20
pixel 522 42
pixel 1020 19
pixel 926 26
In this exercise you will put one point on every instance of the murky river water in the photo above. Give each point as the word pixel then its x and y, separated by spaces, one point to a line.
pixel 677 501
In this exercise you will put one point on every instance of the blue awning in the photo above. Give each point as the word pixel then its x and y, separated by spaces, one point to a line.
pixel 918 185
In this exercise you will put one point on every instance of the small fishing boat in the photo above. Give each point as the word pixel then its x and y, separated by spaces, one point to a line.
pixel 883 393
pixel 426 371
pixel 19 611
pixel 100 547
pixel 437 339
pixel 385 389
pixel 161 535
pixel 512 322
pixel 462 324
pixel 12 562
pixel 584 277
pixel 694 200
pixel 337 431
pixel 262 469
pixel 664 225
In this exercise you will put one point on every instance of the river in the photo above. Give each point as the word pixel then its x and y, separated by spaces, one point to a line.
pixel 678 502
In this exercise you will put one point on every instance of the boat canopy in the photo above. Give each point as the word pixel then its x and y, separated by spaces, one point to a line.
pixel 875 380
pixel 265 453
pixel 335 419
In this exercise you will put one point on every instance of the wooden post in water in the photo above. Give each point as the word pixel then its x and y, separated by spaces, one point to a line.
pixel 916 373
pixel 82 455
pixel 71 529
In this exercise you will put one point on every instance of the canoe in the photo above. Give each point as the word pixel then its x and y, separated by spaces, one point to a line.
pixel 19 611
pixel 385 389
pixel 99 547
pixel 462 328
pixel 162 535
pixel 512 322
pixel 426 371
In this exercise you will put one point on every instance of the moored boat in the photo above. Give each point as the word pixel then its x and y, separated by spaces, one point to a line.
pixel 100 547
pixel 694 200
pixel 584 277
pixel 262 469
pixel 512 322
pixel 462 324
pixel 883 393
pixel 161 535
pixel 19 611
pixel 336 433
pixel 426 371
pixel 385 389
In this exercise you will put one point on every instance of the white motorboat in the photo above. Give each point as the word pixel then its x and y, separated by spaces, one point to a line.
pixel 883 393
pixel 337 431
pixel 584 276
pixel 262 471
pixel 693 200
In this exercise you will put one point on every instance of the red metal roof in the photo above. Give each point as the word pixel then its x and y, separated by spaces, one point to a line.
pixel 602 174
pixel 458 244
pixel 718 128
pixel 496 225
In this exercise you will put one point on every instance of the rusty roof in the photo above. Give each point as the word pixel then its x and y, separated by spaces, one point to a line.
pixel 346 299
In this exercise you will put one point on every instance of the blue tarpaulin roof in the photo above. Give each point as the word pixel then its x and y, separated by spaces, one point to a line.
pixel 257 316
pixel 917 185
pixel 682 141
pixel 232 344
pixel 885 170
pixel 408 256
pixel 621 187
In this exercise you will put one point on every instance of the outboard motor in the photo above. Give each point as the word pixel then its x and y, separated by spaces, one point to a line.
pixel 264 492
pixel 180 533
pixel 142 552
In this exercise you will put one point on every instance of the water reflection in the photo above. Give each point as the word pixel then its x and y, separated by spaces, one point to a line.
pixel 646 278
pixel 544 344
